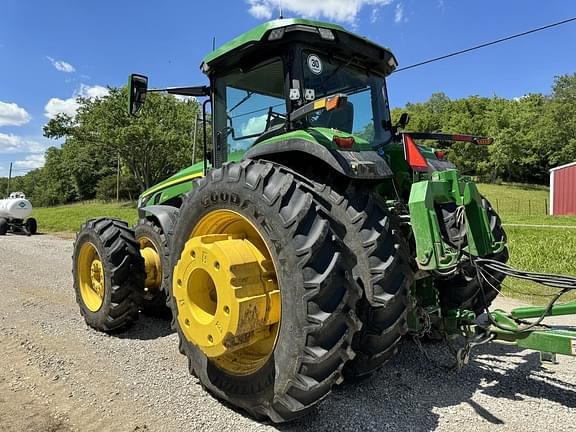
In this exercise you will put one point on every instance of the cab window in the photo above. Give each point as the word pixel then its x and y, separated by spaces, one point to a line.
pixel 253 103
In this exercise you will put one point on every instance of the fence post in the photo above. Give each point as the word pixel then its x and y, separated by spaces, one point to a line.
pixel 497 207
pixel 546 206
pixel 529 208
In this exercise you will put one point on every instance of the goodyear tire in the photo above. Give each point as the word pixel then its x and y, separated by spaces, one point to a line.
pixel 311 269
pixel 155 251
pixel 463 291
pixel 382 270
pixel 3 226
pixel 107 271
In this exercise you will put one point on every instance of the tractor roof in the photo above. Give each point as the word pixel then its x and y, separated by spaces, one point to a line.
pixel 261 34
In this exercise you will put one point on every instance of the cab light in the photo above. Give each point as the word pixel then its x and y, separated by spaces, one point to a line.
pixel 344 142
pixel 326 33
pixel 413 156
pixel 276 34
pixel 335 102
pixel 440 154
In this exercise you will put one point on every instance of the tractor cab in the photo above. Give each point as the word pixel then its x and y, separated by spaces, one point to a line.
pixel 277 78
pixel 262 78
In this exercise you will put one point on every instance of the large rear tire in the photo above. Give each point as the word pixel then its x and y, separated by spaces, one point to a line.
pixel 107 271
pixel 156 253
pixel 382 270
pixel 464 291
pixel 3 226
pixel 306 333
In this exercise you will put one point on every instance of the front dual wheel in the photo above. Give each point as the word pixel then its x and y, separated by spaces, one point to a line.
pixel 262 294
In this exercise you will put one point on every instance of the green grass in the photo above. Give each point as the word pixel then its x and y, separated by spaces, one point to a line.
pixel 543 249
pixel 546 250
pixel 523 204
pixel 68 218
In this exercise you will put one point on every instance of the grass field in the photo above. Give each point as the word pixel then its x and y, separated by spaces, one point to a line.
pixel 68 218
pixel 544 249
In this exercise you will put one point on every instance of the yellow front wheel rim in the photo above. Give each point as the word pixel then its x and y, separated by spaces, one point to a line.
pixel 227 293
pixel 91 277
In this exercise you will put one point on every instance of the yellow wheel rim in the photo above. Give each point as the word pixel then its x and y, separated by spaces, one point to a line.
pixel 91 277
pixel 227 294
pixel 152 264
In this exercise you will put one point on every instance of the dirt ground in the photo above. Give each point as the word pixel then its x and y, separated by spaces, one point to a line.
pixel 56 374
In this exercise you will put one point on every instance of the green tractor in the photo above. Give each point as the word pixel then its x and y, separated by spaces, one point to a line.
pixel 312 237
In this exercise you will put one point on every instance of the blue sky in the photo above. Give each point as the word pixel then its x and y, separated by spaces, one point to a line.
pixel 51 52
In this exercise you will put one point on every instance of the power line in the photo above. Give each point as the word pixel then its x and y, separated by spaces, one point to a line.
pixel 494 42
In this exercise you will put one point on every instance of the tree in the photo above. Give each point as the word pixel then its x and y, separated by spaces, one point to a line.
pixel 153 145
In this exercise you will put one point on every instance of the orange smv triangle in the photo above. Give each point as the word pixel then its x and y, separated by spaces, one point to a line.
pixel 413 156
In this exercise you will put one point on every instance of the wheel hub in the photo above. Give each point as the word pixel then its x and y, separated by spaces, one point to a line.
pixel 97 277
pixel 226 293
pixel 152 265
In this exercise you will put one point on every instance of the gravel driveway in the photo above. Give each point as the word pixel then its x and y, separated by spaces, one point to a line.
pixel 56 374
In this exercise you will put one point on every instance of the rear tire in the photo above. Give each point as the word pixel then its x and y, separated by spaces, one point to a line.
pixel 318 296
pixel 32 226
pixel 463 291
pixel 3 226
pixel 107 271
pixel 382 270
pixel 153 301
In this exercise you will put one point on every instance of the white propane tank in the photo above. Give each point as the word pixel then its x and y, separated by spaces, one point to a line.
pixel 15 207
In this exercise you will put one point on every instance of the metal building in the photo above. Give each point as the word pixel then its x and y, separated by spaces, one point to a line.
pixel 563 190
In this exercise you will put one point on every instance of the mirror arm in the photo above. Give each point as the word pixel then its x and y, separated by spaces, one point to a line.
pixel 198 91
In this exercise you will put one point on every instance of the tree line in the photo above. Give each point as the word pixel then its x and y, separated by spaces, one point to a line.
pixel 104 145
pixel 533 133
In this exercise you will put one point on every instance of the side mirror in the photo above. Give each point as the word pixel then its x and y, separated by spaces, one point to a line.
pixel 403 121
pixel 137 89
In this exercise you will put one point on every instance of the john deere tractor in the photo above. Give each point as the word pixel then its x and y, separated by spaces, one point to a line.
pixel 312 237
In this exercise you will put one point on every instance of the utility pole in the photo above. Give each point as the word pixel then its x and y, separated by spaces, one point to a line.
pixel 118 179
pixel 9 178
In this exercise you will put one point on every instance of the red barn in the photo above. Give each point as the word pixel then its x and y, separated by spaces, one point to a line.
pixel 563 190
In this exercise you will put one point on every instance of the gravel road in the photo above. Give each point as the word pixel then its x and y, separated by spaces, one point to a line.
pixel 56 374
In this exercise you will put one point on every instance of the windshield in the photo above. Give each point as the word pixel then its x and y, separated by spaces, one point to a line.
pixel 366 113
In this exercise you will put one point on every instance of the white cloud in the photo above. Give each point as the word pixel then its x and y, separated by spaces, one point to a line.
pixel 399 14
pixel 57 106
pixel 260 11
pixel 32 161
pixel 183 98
pixel 336 10
pixel 92 92
pixel 13 115
pixel 10 143
pixel 69 106
pixel 375 15
pixel 62 66
pixel 255 125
